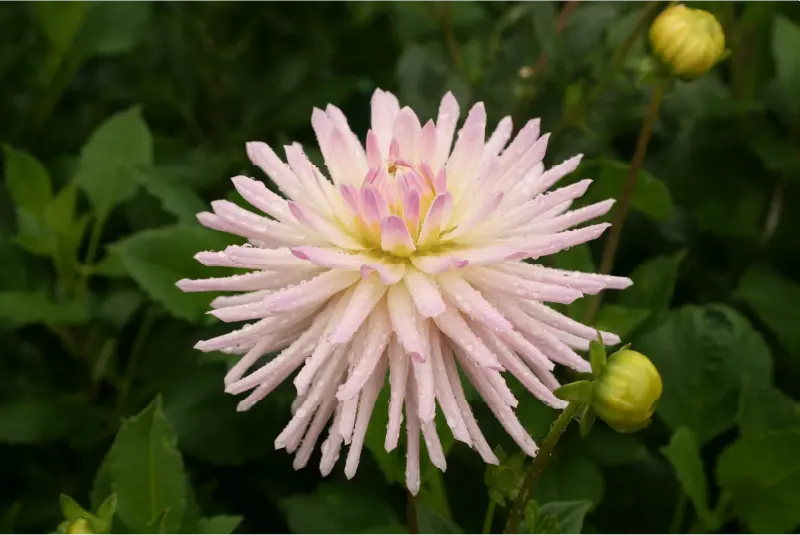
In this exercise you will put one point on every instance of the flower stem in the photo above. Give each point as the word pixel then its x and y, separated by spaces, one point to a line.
pixel 133 363
pixel 489 518
pixel 411 514
pixel 537 466
pixel 621 210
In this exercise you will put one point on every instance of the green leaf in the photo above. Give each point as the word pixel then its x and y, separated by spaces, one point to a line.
pixel 704 354
pixel 157 259
pixel 762 477
pixel 653 283
pixel 597 355
pixel 176 198
pixel 683 453
pixel 650 196
pixel 219 524
pixel 544 24
pixel 336 508
pixel 60 22
pixel 570 478
pixel 606 447
pixel 27 181
pixel 31 420
pixel 570 515
pixel 108 508
pixel 577 391
pixel 115 28
pixel 109 160
pixel 24 308
pixel 620 320
pixel 764 409
pixel 147 472
pixel 503 481
pixel 785 43
pixel 430 521
pixel 71 509
pixel 586 419
pixel 776 302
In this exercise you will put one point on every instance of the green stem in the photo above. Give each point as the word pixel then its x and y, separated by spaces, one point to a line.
pixel 489 518
pixel 679 516
pixel 624 201
pixel 135 357
pixel 411 514
pixel 537 466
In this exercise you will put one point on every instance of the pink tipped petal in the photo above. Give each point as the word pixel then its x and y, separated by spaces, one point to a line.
pixel 398 381
pixel 384 111
pixel 494 281
pixel 374 158
pixel 408 133
pixel 395 237
pixel 456 329
pixel 375 207
pixel 379 329
pixel 324 227
pixel 569 219
pixel 437 218
pixel 365 405
pixel 405 322
pixel 445 128
pixel 412 445
pixel 425 389
pixel 444 392
pixel 265 158
pixel 471 302
pixel 428 143
pixel 434 265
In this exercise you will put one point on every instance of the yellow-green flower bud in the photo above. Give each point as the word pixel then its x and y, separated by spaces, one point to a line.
pixel 626 391
pixel 80 525
pixel 687 41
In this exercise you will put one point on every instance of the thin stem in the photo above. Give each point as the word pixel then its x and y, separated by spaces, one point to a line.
pixel 135 357
pixel 621 210
pixel 411 514
pixel 450 36
pixel 679 516
pixel 537 466
pixel 489 518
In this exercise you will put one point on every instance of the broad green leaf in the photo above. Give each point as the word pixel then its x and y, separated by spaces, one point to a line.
pixel 176 198
pixel 430 521
pixel 157 259
pixel 762 476
pixel 222 524
pixel 61 21
pixel 653 283
pixel 24 308
pixel 544 24
pixel 570 515
pixel 147 472
pixel 683 453
pixel 606 447
pixel 71 509
pixel 30 420
pixel 28 182
pixel 577 391
pixel 650 196
pixel 785 44
pixel 776 302
pixel 704 354
pixel 336 508
pixel 764 409
pixel 620 320
pixel 111 157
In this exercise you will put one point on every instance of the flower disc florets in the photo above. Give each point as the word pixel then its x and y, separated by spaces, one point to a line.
pixel 409 259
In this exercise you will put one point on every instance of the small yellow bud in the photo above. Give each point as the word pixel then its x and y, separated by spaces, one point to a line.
pixel 626 391
pixel 687 41
pixel 79 526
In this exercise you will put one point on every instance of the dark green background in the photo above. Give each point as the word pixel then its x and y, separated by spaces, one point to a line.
pixel 121 120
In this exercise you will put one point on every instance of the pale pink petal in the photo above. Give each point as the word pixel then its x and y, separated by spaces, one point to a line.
pixel 483 212
pixel 543 182
pixel 375 206
pixel 551 317
pixel 569 219
pixel 425 389
pixel 374 157
pixel 444 392
pixel 530 210
pixel 428 426
pixel 235 283
pixel 437 218
pixel 398 381
pixel 348 420
pixel 424 292
pixel 324 227
pixel 265 158
pixel 427 153
pixel 519 146
pixel 445 128
pixel 550 244
pixel 464 162
pixel 408 133
pixel 321 419
pixel 259 195
pixel 384 111
pixel 455 328
pixel 365 406
pixel 404 321
pixel 491 280
pixel 471 302
pixel 434 265
pixel 367 294
pixel 332 445
pixel 496 142
pixel 412 445
pixel 524 170
pixel 379 330
pixel 356 150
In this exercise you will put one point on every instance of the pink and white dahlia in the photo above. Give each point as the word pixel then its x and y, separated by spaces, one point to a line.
pixel 409 258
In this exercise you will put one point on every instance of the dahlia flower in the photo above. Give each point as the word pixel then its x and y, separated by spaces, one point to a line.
pixel 408 259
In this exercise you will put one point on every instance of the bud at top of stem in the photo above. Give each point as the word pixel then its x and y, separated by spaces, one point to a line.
pixel 687 41
pixel 626 391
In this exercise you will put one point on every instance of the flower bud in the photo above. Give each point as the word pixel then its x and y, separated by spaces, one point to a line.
pixel 626 391
pixel 687 41
pixel 80 525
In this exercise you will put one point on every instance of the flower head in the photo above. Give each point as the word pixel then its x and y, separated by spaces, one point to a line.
pixel 408 259
pixel 687 41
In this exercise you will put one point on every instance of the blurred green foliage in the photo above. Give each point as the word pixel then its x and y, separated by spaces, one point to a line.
pixel 122 120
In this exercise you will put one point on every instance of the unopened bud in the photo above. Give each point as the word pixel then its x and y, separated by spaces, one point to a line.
pixel 626 391
pixel 80 525
pixel 687 41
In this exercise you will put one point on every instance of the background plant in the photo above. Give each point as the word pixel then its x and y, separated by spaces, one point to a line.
pixel 121 120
